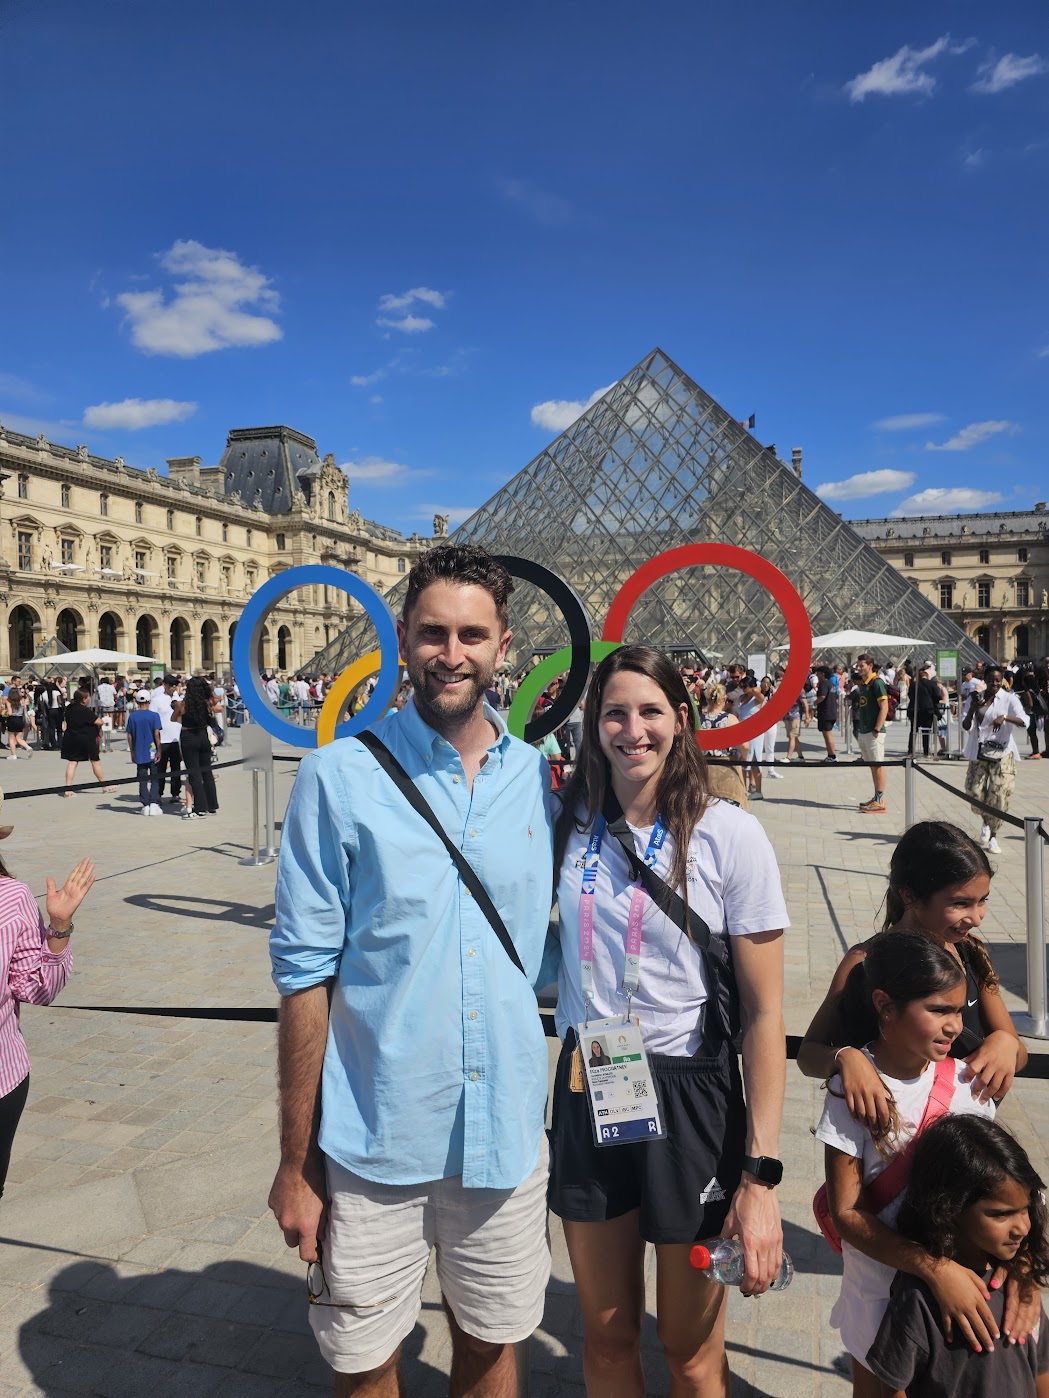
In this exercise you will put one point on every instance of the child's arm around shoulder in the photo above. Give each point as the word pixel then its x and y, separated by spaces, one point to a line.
pixel 1001 1055
pixel 823 1052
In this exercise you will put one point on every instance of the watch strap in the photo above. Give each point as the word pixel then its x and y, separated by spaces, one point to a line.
pixel 765 1168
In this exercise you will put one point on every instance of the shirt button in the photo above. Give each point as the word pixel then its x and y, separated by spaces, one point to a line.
pixel 473 1077
pixel 473 834
pixel 456 779
pixel 471 952
pixel 473 1014
pixel 468 893
pixel 429 757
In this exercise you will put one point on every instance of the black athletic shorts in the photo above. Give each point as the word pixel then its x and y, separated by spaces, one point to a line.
pixel 15 723
pixel 683 1184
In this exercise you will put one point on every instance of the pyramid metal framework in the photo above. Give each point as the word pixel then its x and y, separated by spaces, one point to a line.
pixel 654 464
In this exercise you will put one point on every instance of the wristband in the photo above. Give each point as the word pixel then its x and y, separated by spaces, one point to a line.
pixel 841 1050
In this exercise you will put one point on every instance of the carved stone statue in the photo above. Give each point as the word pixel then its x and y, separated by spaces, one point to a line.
pixel 1045 599
pixel 81 452
pixel 440 526
pixel 356 520
pixel 41 442
pixel 118 462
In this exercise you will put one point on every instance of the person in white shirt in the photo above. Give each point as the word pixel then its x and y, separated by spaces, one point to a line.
pixel 165 702
pixel 107 696
pixel 991 751
pixel 272 689
pixel 301 691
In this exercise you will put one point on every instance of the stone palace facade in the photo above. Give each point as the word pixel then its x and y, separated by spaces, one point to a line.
pixel 97 553
pixel 989 571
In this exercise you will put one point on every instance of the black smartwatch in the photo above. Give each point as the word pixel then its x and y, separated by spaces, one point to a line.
pixel 765 1168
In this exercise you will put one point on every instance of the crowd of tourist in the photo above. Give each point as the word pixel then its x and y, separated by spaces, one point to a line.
pixel 412 1064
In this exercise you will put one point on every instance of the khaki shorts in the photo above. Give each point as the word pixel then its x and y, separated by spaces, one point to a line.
pixel 872 746
pixel 793 727
pixel 493 1262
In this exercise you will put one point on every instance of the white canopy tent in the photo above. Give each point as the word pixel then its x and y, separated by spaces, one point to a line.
pixel 90 659
pixel 852 642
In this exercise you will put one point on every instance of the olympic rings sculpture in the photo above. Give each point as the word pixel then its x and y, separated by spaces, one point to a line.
pixel 576 657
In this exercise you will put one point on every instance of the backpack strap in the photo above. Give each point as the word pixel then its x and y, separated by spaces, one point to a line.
pixel 400 778
pixel 893 1179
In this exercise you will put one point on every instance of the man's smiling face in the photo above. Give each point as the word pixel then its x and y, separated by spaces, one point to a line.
pixel 452 642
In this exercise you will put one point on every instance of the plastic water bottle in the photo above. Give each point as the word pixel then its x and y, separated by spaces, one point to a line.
pixel 721 1260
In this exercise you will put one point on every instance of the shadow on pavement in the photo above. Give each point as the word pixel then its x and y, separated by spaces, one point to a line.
pixel 211 909
pixel 236 1329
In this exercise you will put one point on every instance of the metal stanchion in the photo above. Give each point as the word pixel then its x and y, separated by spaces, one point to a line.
pixel 910 793
pixel 257 856
pixel 1034 1024
pixel 271 823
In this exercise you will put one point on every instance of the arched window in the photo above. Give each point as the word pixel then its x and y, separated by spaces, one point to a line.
pixel 1022 641
pixel 138 511
pixel 331 504
pixel 108 627
pixel 983 637
pixel 401 565
pixel 144 636
pixel 66 629
pixel 283 647
pixel 103 504
pixel 22 635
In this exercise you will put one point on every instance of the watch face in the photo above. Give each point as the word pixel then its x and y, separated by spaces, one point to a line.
pixel 766 1168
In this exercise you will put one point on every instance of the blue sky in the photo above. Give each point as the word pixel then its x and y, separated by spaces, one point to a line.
pixel 424 234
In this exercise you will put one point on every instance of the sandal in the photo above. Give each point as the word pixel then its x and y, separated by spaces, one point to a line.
pixel 68 793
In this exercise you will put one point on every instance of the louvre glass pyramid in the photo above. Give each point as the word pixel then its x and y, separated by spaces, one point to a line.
pixel 656 463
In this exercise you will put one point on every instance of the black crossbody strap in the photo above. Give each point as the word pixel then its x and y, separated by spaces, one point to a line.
pixel 418 802
pixel 665 897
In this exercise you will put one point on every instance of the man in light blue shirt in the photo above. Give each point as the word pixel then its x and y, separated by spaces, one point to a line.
pixel 412 1112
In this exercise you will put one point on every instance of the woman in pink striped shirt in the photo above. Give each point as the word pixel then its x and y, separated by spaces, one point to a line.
pixel 35 962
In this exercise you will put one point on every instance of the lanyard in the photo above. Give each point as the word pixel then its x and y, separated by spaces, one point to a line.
pixel 591 860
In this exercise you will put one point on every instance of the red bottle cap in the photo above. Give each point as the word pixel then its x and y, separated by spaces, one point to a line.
pixel 699 1256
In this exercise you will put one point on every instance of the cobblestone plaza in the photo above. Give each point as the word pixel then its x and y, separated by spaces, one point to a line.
pixel 138 1252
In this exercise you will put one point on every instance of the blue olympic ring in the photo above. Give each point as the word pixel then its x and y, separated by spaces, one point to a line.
pixel 246 646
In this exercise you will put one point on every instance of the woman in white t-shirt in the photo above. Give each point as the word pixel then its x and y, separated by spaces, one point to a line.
pixel 715 1169
pixel 991 751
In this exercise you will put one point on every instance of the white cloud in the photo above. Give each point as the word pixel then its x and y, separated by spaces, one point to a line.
pixel 433 298
pixel 903 73
pixel 973 435
pixel 975 159
pixel 133 414
pixel 366 380
pixel 996 75
pixel 907 422
pixel 456 513
pixel 378 468
pixel 1043 353
pixel 947 500
pixel 216 304
pixel 21 390
pixel 557 414
pixel 411 325
pixel 866 483
pixel 545 208
pixel 375 398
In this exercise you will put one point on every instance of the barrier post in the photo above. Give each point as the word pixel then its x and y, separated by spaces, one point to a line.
pixel 257 749
pixel 1034 1024
pixel 910 793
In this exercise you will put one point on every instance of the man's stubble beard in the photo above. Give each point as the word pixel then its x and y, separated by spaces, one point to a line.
pixel 461 707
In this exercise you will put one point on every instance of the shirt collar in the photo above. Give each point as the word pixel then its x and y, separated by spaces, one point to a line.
pixel 427 740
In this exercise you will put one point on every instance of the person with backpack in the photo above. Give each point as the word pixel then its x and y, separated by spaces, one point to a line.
pixel 677 1154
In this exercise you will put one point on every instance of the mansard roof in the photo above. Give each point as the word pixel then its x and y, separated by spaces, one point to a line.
pixel 268 465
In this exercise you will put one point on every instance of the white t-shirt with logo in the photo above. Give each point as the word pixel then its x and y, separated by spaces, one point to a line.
pixel 865 1283
pixel 734 885
pixel 1004 704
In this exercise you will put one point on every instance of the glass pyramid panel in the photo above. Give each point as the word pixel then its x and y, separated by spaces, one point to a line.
pixel 654 464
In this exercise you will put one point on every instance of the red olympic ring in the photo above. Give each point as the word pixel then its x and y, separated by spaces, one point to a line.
pixel 799 629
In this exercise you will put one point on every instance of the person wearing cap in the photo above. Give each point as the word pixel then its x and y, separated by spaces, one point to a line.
pixel 165 702
pixel 143 740
pixel 35 962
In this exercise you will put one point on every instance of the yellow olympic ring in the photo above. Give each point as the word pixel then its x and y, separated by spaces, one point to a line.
pixel 343 687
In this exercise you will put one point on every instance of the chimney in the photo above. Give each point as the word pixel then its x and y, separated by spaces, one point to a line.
pixel 795 461
pixel 184 468
pixel 1039 507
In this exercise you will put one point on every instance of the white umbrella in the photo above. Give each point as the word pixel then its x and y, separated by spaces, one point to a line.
pixel 93 657
pixel 861 640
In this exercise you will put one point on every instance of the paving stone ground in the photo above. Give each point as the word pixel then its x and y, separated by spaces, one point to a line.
pixel 138 1256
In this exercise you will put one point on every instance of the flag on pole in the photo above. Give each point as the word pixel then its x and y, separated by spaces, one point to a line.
pixel 749 422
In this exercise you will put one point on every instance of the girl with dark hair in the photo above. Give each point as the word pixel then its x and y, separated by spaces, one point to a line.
pixel 15 704
pixel 196 747
pixel 641 778
pixel 973 1197
pixel 913 992
pixel 939 882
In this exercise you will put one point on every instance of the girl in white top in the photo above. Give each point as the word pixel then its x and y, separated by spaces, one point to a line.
pixel 990 723
pixel 639 755
pixel 912 992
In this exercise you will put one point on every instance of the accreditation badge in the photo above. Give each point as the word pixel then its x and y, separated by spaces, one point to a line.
pixel 619 1086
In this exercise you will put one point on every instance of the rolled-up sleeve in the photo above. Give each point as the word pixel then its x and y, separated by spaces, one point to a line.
pixel 36 974
pixel 313 881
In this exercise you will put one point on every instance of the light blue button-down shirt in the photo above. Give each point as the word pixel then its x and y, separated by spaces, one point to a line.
pixel 436 1061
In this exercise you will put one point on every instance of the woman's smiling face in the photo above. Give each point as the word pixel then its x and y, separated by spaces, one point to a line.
pixel 637 726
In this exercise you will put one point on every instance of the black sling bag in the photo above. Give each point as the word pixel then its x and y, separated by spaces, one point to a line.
pixel 421 806
pixel 715 951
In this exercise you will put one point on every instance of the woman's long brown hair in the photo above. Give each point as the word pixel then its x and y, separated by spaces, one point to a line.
pixel 683 793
